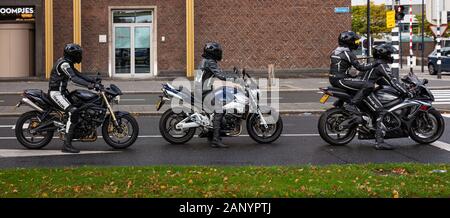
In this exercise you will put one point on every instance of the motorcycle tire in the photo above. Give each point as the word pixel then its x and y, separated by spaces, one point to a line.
pixel 121 145
pixel 322 127
pixel 166 134
pixel 262 140
pixel 47 138
pixel 440 129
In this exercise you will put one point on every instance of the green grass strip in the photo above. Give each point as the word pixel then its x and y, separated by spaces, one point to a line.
pixel 335 181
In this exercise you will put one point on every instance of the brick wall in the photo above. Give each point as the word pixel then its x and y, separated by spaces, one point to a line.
pixel 62 26
pixel 292 34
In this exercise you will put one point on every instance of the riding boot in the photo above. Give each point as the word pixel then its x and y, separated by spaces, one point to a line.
pixel 216 138
pixel 379 136
pixel 67 147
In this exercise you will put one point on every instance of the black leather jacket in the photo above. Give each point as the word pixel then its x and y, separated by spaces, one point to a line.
pixel 382 75
pixel 210 69
pixel 64 71
pixel 342 60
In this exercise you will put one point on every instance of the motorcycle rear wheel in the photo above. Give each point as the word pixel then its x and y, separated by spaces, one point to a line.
pixel 168 130
pixel 328 123
pixel 24 124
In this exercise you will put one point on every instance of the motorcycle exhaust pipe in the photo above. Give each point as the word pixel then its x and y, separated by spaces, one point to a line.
pixel 32 104
pixel 183 126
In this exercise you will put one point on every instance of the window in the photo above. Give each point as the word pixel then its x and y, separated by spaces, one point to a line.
pixel 132 16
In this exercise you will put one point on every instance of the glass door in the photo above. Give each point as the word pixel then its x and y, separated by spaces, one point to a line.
pixel 142 52
pixel 132 34
pixel 122 42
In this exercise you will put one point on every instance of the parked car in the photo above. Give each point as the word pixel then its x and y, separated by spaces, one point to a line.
pixel 432 61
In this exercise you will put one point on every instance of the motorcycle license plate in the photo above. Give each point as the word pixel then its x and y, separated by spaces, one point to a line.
pixel 324 99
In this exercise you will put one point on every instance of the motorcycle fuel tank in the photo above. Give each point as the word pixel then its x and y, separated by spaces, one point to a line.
pixel 387 95
pixel 83 95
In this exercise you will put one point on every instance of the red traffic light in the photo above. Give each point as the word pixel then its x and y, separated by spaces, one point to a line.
pixel 399 12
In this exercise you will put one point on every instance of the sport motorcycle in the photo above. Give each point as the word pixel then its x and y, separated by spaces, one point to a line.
pixel 415 117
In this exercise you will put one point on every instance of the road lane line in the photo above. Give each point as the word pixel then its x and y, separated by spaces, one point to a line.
pixel 8 153
pixel 133 100
pixel 446 115
pixel 159 136
pixel 8 126
pixel 442 145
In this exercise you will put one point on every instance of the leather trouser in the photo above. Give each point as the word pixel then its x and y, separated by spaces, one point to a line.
pixel 217 125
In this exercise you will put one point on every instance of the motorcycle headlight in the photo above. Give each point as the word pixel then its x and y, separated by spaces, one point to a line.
pixel 117 100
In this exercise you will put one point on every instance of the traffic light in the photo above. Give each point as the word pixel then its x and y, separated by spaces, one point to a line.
pixel 399 12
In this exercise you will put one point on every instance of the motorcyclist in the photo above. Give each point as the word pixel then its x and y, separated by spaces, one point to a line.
pixel 342 60
pixel 64 71
pixel 212 54
pixel 381 75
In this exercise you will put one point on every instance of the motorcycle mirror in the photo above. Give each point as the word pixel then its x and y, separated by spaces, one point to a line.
pixel 425 81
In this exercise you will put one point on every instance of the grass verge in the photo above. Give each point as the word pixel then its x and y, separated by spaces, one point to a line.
pixel 374 180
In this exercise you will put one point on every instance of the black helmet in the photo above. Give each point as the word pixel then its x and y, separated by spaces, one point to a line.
pixel 74 53
pixel 349 39
pixel 384 52
pixel 213 50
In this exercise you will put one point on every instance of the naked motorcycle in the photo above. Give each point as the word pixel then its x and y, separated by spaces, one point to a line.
pixel 36 129
pixel 264 125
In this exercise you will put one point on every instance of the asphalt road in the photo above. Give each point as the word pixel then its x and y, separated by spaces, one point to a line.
pixel 300 144
pixel 146 99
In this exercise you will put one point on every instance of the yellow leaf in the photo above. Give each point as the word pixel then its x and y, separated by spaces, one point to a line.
pixel 395 194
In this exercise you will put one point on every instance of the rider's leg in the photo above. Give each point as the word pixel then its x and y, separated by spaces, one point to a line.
pixel 380 133
pixel 64 104
pixel 217 139
pixel 380 129
pixel 70 127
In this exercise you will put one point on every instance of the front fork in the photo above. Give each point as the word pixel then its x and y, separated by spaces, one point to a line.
pixel 113 115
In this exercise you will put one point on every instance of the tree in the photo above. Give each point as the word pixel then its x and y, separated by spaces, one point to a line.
pixel 378 20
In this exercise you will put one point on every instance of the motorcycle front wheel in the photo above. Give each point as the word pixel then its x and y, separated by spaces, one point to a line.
pixel 27 122
pixel 427 127
pixel 167 127
pixel 122 136
pixel 260 133
pixel 330 131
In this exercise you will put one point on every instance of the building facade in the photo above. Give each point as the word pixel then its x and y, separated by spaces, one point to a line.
pixel 152 38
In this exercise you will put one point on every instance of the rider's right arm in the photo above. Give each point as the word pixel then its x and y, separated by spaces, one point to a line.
pixel 392 80
pixel 352 59
pixel 73 75
pixel 214 68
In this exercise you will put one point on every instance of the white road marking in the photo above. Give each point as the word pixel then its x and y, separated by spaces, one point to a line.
pixel 442 145
pixel 446 115
pixel 133 100
pixel 40 153
pixel 7 126
pixel 2 101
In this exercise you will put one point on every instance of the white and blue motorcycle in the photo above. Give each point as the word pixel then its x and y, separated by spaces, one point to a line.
pixel 178 125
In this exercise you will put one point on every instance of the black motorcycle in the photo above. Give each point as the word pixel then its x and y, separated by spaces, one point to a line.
pixel 415 118
pixel 36 129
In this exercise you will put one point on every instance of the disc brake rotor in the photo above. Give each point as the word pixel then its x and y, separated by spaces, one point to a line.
pixel 120 134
